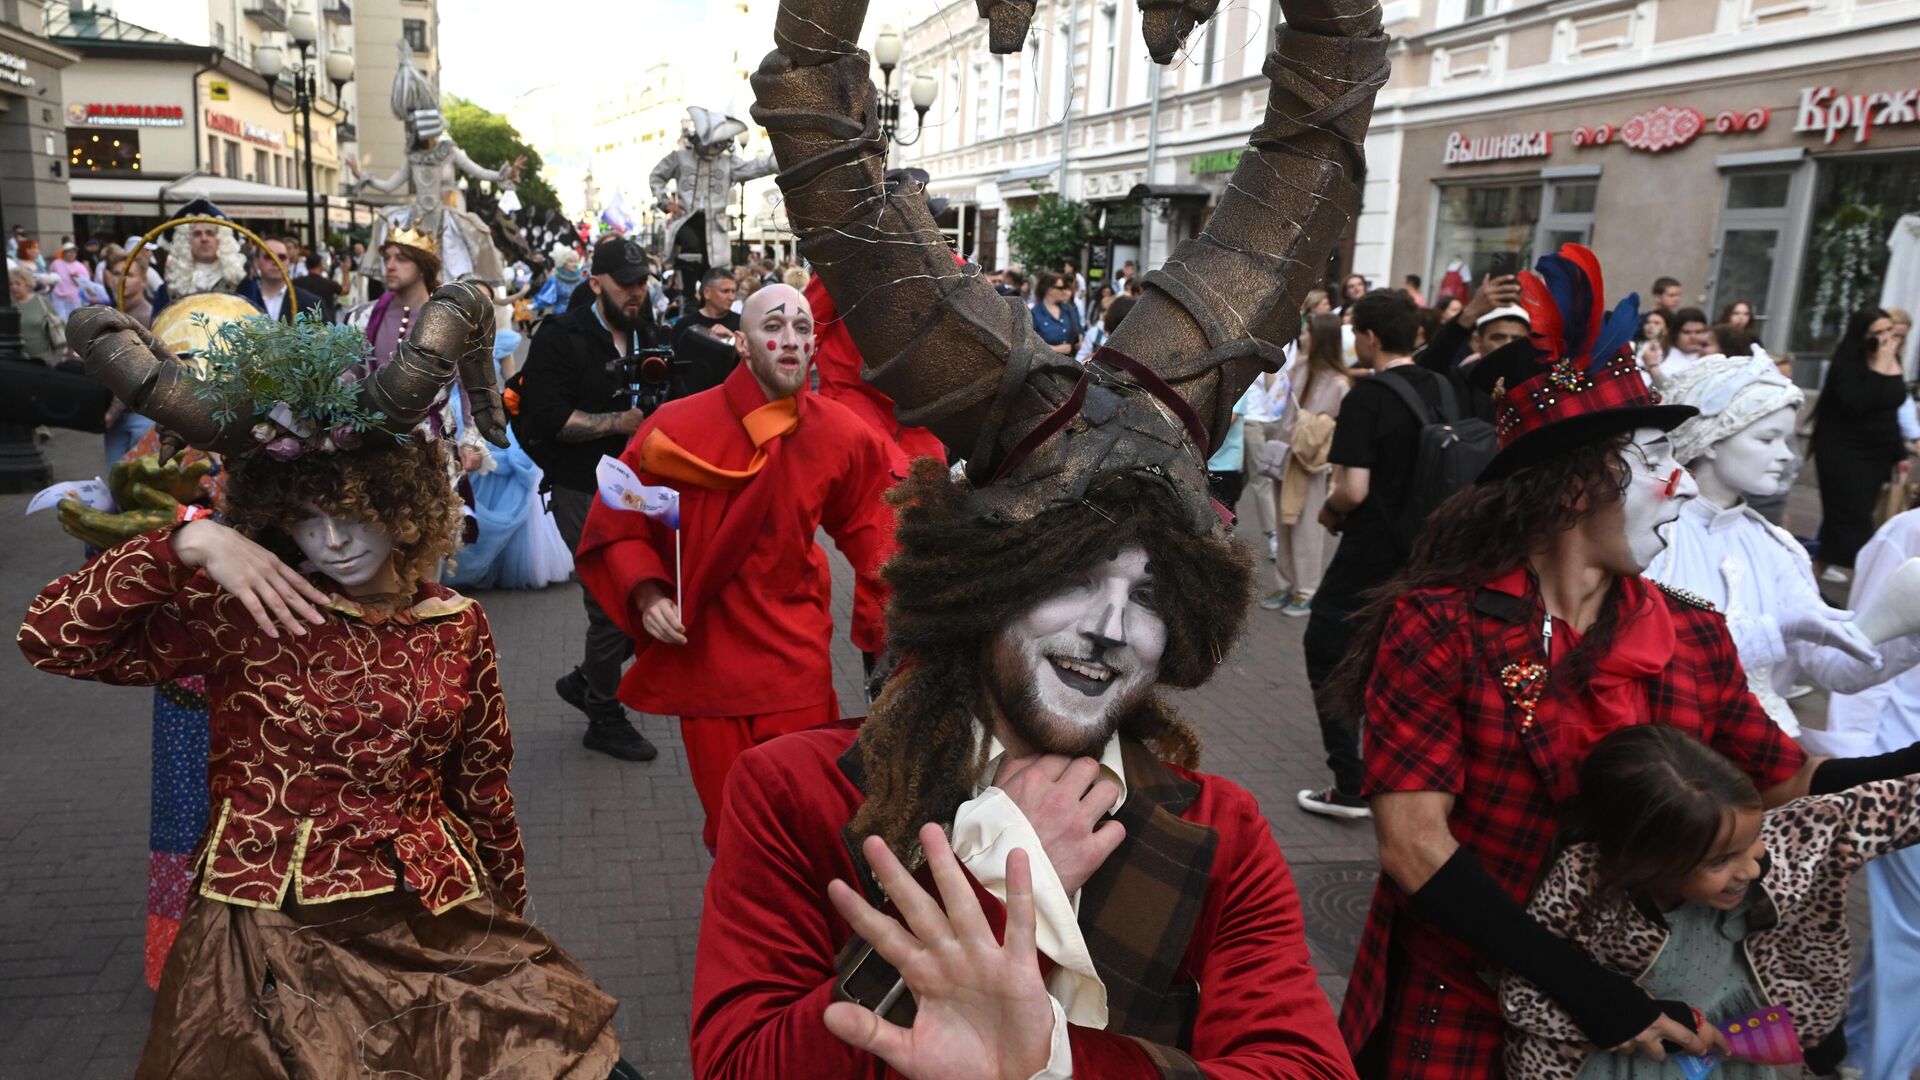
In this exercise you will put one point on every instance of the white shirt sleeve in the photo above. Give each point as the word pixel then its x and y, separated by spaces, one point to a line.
pixel 1060 1057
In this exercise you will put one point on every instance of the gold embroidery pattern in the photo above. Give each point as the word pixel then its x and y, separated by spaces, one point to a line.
pixel 327 751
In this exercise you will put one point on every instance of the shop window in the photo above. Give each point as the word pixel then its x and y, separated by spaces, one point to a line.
pixel 1570 217
pixel 233 158
pixel 97 152
pixel 213 154
pixel 1749 247
pixel 1476 222
pixel 259 165
pixel 1758 191
pixel 1856 203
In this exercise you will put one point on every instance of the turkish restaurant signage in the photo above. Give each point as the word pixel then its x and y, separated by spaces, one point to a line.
pixel 95 114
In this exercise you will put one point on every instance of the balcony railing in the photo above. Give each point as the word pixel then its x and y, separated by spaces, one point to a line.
pixel 267 14
pixel 340 11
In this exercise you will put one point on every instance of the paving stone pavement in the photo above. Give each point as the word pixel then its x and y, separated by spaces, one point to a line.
pixel 616 865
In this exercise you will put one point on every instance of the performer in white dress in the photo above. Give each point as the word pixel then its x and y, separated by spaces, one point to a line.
pixel 1882 1039
pixel 1754 571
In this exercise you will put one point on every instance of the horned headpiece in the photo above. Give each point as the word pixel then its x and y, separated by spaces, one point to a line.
pixel 1038 430
pixel 289 388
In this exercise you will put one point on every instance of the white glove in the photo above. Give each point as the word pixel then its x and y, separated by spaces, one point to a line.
pixel 1832 627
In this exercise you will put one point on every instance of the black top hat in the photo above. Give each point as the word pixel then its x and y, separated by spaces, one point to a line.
pixel 202 207
pixel 1570 382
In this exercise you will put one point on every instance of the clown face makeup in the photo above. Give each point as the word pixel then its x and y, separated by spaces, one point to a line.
pixel 1751 461
pixel 1656 488
pixel 353 553
pixel 1066 671
pixel 776 339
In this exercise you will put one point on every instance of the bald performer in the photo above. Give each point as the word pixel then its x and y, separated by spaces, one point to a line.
pixel 761 464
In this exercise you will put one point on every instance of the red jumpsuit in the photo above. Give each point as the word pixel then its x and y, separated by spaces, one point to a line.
pixel 755 583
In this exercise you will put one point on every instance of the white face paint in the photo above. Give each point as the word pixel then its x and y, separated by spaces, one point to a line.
pixel 1751 461
pixel 352 553
pixel 1066 670
pixel 1656 488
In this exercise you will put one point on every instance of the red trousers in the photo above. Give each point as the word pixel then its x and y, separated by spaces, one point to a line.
pixel 713 742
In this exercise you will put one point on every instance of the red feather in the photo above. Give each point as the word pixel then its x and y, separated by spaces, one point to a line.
pixel 1589 264
pixel 1543 315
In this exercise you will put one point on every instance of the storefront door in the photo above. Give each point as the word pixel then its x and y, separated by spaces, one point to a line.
pixel 1752 248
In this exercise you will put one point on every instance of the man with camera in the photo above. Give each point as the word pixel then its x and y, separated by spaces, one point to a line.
pixel 577 404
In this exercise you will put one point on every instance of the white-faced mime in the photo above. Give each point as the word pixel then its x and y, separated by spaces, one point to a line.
pixel 1756 572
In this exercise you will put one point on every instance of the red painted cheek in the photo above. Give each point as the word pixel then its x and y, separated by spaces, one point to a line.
pixel 773 346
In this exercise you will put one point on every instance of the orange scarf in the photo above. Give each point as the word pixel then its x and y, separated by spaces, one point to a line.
pixel 667 459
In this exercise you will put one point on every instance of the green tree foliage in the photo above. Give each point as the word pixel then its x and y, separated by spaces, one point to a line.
pixel 1047 234
pixel 491 140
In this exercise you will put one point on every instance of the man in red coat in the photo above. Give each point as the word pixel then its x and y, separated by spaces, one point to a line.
pixel 761 464
pixel 1150 924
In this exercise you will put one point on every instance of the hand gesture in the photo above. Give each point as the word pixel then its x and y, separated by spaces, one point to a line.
pixel 981 1007
pixel 1494 292
pixel 1819 624
pixel 1064 799
pixel 659 615
pixel 1709 1038
pixel 265 586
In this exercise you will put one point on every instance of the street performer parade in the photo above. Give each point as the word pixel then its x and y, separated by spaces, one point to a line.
pixel 1243 538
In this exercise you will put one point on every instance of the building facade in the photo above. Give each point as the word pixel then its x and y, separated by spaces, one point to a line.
pixel 993 140
pixel 1757 150
pixel 33 142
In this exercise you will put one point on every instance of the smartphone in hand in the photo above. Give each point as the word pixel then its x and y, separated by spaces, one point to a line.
pixel 1504 264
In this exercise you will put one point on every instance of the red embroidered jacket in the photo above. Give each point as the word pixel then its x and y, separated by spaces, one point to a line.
pixel 368 749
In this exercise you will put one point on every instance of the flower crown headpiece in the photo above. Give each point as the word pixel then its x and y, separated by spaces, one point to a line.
pixel 300 380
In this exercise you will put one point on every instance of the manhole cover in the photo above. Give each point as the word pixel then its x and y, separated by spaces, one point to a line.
pixel 1333 902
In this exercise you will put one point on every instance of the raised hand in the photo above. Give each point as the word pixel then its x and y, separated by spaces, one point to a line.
pixel 1064 799
pixel 268 588
pixel 981 1009
pixel 1832 627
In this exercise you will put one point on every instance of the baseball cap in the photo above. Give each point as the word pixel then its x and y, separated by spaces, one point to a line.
pixel 1508 312
pixel 620 259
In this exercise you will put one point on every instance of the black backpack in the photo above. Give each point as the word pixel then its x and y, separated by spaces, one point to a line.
pixel 1451 451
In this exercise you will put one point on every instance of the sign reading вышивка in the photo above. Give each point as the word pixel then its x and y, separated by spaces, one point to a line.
pixel 1462 150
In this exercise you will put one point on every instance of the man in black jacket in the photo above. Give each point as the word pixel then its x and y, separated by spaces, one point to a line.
pixel 573 411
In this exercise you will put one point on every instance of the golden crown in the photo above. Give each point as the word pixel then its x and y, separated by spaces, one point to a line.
pixel 413 238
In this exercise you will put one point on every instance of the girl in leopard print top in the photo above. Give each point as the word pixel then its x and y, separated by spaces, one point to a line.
pixel 1672 873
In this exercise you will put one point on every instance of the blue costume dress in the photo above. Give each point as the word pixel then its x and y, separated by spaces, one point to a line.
pixel 519 546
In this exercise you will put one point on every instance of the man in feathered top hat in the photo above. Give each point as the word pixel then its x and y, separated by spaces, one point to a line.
pixel 1520 634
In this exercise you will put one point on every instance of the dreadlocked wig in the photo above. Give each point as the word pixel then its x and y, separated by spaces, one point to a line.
pixel 957 581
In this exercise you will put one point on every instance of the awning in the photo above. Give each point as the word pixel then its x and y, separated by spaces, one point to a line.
pixel 1026 173
pixel 122 196
pixel 1175 193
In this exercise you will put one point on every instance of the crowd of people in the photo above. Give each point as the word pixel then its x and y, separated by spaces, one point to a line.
pixel 1557 617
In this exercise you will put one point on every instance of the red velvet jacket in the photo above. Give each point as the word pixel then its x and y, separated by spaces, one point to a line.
pixel 1439 719
pixel 1224 976
pixel 335 757
pixel 839 362
pixel 756 582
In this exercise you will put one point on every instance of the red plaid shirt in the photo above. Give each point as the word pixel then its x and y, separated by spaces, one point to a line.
pixel 1439 719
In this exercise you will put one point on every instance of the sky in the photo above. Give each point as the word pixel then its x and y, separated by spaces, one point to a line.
pixel 492 51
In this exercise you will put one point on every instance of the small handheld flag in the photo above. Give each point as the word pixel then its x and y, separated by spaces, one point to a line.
pixel 621 490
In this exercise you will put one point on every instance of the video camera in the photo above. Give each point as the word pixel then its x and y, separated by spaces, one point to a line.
pixel 645 377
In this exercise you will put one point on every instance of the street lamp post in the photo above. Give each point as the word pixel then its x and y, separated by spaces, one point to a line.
pixel 22 466
pixel 303 30
pixel 886 53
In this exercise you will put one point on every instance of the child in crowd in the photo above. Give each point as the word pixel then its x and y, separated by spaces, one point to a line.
pixel 1672 874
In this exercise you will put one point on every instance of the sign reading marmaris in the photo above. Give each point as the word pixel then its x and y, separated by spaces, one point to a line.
pixel 95 114
pixel 1462 150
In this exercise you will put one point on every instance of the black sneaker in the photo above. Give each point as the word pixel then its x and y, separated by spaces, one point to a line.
pixel 572 689
pixel 1334 803
pixel 615 736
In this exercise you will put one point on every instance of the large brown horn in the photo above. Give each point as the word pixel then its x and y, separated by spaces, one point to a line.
pixel 966 363
pixel 146 377
pixel 452 336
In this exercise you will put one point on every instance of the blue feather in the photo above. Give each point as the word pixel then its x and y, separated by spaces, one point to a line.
pixel 1573 294
pixel 1621 324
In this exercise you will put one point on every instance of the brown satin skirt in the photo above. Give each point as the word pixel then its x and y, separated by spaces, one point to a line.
pixel 373 986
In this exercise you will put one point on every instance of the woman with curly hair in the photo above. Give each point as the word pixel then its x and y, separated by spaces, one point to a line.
pixel 360 895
